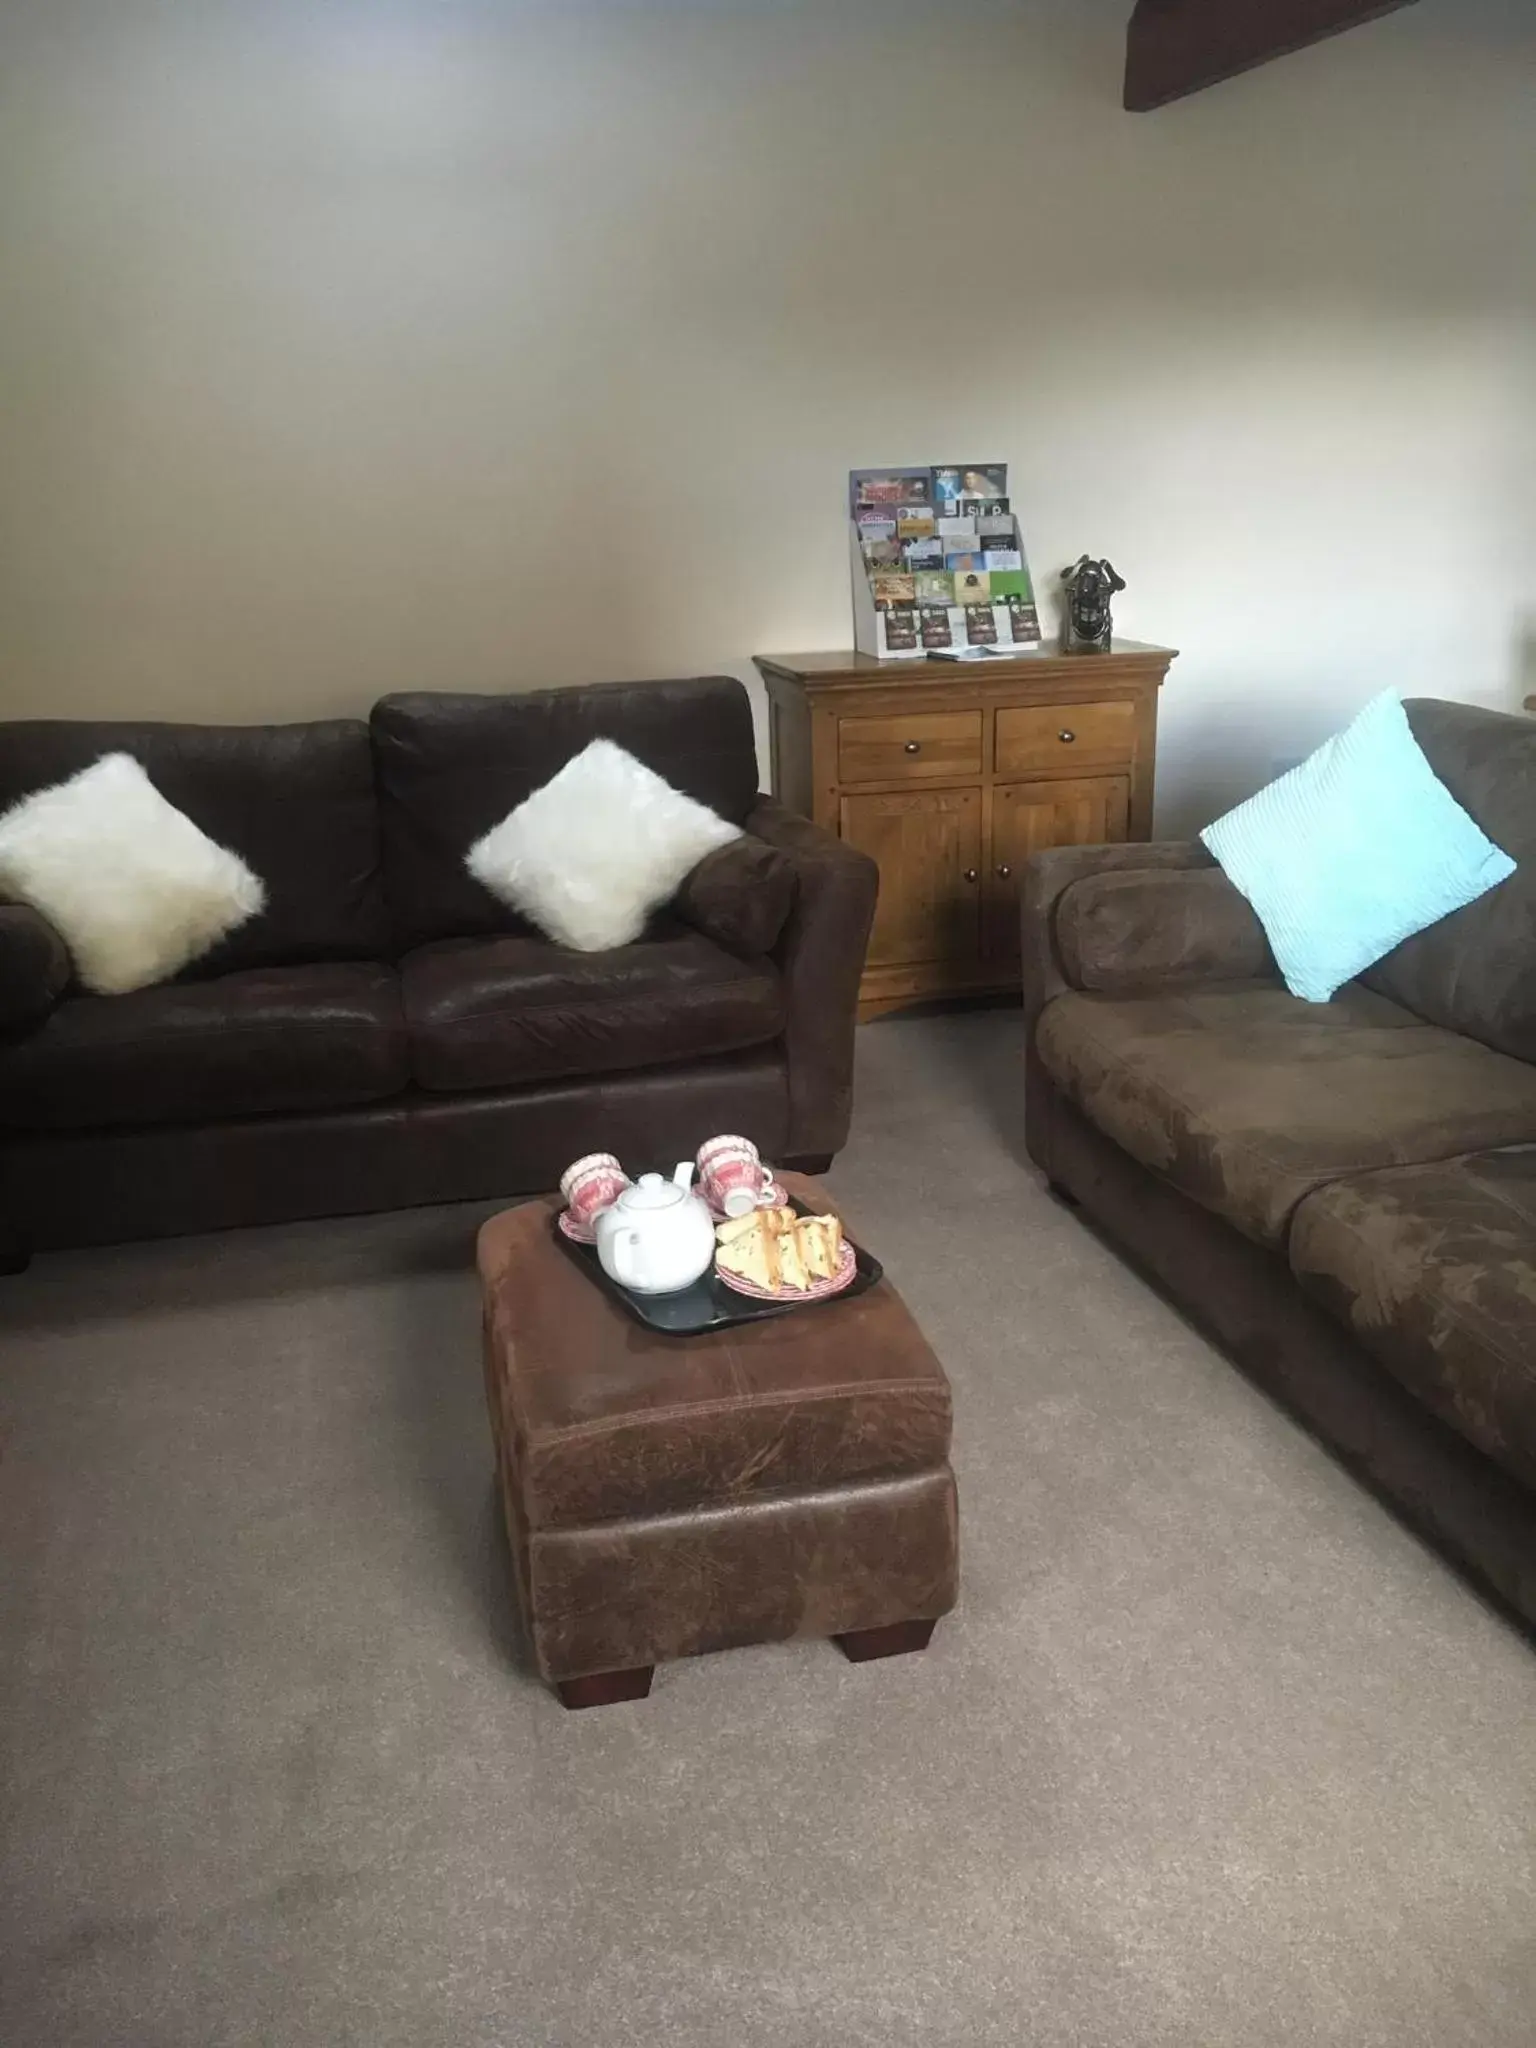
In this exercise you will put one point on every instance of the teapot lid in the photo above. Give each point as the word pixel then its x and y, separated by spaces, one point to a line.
pixel 653 1191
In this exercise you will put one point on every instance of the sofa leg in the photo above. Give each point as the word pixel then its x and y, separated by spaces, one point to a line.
pixel 812 1163
pixel 897 1639
pixel 605 1688
pixel 15 1255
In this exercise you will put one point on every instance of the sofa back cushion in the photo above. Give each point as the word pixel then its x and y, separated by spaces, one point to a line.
pixel 451 767
pixel 1136 931
pixel 741 896
pixel 294 801
pixel 1475 971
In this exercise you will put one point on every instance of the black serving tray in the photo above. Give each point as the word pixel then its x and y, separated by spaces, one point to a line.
pixel 709 1304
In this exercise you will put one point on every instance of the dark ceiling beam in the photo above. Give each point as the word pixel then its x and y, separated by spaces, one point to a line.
pixel 1176 47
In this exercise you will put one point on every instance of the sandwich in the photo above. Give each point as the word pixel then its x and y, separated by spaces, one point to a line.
pixel 820 1239
pixel 777 1250
pixel 743 1246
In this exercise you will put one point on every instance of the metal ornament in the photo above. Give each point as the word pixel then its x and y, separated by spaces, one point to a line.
pixel 1087 627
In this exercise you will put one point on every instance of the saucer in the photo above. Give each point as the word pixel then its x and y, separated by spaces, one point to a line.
pixel 774 1196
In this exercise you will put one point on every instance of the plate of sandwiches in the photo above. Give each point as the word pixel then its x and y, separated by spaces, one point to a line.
pixel 778 1255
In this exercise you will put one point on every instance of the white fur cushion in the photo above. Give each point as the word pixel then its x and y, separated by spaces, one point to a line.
pixel 600 846
pixel 131 885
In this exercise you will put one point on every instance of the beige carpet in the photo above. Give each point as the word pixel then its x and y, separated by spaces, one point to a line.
pixel 1213 1753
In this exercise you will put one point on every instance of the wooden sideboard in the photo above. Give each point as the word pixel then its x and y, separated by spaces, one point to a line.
pixel 951 775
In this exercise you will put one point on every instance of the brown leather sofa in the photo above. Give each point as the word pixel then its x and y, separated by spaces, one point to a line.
pixel 1343 1194
pixel 385 1033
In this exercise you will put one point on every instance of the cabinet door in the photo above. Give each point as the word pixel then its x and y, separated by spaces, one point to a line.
pixel 927 844
pixel 1029 816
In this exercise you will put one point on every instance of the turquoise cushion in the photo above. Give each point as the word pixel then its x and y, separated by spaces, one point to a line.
pixel 1353 852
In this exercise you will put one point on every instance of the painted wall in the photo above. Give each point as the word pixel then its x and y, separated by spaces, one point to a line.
pixel 331 331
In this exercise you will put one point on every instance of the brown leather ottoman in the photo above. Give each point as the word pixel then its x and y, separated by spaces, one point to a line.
pixel 665 1496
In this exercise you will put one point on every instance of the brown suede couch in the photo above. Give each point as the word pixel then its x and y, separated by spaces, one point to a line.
pixel 1344 1194
pixel 385 1033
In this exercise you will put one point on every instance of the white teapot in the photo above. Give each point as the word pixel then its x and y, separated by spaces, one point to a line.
pixel 658 1236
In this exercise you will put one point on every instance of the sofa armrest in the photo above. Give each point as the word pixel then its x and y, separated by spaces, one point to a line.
pixel 1047 878
pixel 821 956
pixel 34 967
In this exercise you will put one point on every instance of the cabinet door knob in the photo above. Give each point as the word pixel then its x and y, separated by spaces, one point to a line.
pixel 1004 871
pixel 914 746
pixel 970 874
pixel 1066 736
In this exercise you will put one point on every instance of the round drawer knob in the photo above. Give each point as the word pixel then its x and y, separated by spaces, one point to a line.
pixel 970 874
pixel 1004 871
pixel 1066 736
pixel 914 746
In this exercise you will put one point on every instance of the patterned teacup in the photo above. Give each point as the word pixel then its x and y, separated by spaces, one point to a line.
pixel 592 1185
pixel 732 1176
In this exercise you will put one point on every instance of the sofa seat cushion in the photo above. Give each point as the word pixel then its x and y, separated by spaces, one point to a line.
pixel 1434 1270
pixel 1247 1099
pixel 247 1044
pixel 497 1013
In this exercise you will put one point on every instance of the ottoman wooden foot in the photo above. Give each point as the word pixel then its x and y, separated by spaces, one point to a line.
pixel 15 1255
pixel 808 1162
pixel 605 1688
pixel 898 1639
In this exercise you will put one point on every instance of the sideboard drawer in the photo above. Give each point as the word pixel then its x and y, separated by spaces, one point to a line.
pixel 913 746
pixel 1072 737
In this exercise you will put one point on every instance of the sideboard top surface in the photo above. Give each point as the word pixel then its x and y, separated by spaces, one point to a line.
pixel 845 667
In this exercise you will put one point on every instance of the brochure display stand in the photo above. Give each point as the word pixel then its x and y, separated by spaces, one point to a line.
pixel 938 564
